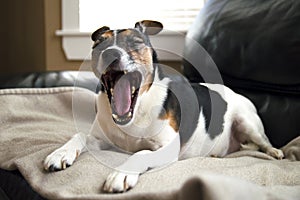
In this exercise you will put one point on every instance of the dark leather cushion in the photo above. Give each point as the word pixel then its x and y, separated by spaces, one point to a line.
pixel 255 45
pixel 246 37
pixel 83 79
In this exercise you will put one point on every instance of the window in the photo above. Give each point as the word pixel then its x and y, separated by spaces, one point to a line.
pixel 175 15
pixel 82 17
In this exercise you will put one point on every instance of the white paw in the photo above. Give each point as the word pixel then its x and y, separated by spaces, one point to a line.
pixel 276 153
pixel 60 159
pixel 117 182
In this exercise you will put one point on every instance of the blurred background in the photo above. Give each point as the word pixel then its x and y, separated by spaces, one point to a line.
pixel 51 35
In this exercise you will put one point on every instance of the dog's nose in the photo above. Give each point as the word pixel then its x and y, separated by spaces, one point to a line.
pixel 111 56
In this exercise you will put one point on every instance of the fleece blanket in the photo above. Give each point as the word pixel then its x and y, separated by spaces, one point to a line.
pixel 34 122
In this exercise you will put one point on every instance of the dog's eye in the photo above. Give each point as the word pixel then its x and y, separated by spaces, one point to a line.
pixel 138 40
pixel 138 43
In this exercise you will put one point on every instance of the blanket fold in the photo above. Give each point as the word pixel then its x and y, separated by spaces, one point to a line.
pixel 34 122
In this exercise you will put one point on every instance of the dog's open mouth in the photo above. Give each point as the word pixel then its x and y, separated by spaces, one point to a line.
pixel 122 89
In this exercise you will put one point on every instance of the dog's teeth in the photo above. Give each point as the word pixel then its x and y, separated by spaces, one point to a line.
pixel 132 89
pixel 111 91
pixel 115 116
pixel 129 114
pixel 125 72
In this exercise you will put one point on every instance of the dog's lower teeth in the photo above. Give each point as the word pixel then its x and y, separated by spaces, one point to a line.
pixel 132 89
pixel 111 91
pixel 129 114
pixel 125 72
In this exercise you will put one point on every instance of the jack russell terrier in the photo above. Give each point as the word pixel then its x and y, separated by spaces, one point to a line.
pixel 155 115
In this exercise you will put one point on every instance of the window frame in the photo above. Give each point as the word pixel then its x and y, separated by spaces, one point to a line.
pixel 169 44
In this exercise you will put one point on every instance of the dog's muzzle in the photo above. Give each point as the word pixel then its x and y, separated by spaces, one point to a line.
pixel 121 86
pixel 111 58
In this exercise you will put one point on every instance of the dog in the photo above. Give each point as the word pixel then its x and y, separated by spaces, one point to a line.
pixel 158 116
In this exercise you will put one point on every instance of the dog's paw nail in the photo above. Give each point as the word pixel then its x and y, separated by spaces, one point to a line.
pixel 60 159
pixel 276 153
pixel 63 164
pixel 118 182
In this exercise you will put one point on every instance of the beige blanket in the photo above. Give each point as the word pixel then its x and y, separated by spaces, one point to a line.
pixel 34 122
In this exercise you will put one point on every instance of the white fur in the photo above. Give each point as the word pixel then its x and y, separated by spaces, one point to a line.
pixel 144 122
pixel 241 111
pixel 66 154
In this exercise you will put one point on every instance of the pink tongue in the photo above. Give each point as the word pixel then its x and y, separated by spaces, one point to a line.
pixel 122 96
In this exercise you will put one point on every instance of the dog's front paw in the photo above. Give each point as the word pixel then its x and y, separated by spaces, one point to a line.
pixel 60 159
pixel 276 153
pixel 118 182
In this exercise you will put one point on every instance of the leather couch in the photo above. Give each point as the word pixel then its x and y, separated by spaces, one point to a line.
pixel 83 79
pixel 255 45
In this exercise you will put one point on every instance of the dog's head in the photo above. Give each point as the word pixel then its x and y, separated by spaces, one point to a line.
pixel 124 60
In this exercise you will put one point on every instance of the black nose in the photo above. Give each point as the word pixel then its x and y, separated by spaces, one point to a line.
pixel 111 56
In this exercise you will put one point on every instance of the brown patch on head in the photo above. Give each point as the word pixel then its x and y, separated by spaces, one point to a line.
pixel 102 36
pixel 136 45
pixel 99 32
pixel 144 58
pixel 107 34
pixel 141 55
pixel 125 32
pixel 171 117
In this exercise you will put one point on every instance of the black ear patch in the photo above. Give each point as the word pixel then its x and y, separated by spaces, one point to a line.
pixel 149 27
pixel 99 32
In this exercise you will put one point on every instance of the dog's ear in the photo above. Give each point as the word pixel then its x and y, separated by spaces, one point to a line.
pixel 149 27
pixel 99 32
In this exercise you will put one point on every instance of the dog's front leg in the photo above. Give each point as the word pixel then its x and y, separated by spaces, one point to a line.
pixel 64 156
pixel 126 176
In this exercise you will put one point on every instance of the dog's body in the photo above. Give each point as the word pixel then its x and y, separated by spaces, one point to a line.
pixel 157 116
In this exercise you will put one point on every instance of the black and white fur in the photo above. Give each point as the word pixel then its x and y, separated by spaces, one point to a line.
pixel 164 117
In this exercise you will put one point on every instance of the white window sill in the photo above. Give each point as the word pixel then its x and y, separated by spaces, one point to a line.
pixel 77 45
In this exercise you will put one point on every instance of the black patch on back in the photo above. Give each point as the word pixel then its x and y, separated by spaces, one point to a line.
pixel 182 99
pixel 187 100
pixel 214 108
